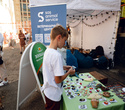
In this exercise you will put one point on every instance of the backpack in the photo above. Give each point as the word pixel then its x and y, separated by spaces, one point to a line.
pixel 101 63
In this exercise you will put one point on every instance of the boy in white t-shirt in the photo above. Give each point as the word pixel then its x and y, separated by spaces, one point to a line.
pixel 53 69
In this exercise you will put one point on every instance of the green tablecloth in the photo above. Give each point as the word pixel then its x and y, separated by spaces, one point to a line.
pixel 73 104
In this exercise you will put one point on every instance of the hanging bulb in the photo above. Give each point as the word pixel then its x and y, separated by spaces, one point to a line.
pixel 102 14
pixel 96 16
pixel 107 13
pixel 91 17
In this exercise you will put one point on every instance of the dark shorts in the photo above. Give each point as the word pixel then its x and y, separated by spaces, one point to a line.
pixel 52 105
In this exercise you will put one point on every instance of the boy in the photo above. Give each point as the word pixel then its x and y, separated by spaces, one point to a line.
pixel 53 69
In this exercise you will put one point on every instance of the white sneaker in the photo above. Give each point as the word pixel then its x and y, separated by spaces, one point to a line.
pixel 1 80
pixel 4 83
pixel 1 84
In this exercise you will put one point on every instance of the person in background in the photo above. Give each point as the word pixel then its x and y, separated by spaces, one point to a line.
pixel 53 69
pixel 16 38
pixel 27 37
pixel 5 37
pixel 3 74
pixel 22 41
pixel 99 51
pixel 30 40
pixel 102 61
pixel 1 42
pixel 12 42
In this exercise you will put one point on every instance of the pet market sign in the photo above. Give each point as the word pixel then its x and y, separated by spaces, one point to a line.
pixel 37 56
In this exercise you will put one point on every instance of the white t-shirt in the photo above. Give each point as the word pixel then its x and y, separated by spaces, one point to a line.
pixel 52 66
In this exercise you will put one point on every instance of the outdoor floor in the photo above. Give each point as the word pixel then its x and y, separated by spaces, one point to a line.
pixel 34 102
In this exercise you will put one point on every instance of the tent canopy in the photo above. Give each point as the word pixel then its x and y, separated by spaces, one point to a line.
pixel 92 22
pixel 113 5
pixel 82 7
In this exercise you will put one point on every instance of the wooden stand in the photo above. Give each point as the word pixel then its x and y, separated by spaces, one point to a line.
pixel 103 79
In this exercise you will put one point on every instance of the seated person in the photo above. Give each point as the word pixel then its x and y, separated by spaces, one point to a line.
pixel 99 51
pixel 101 61
pixel 87 52
pixel 83 61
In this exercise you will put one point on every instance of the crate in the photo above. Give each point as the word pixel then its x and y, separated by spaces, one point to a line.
pixel 103 79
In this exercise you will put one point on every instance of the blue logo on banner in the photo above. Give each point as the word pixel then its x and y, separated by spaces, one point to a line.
pixel 44 18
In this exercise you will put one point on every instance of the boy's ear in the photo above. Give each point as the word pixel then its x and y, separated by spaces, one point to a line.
pixel 58 37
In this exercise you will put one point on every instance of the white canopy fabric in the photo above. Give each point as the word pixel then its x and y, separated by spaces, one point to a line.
pixel 91 32
pixel 113 5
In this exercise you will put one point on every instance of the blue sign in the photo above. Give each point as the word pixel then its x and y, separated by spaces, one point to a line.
pixel 44 18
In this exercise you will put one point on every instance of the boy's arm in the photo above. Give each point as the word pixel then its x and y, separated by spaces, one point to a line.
pixel 59 79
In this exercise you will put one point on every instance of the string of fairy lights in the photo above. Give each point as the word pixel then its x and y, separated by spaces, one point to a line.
pixel 106 15
pixel 111 47
pixel 74 18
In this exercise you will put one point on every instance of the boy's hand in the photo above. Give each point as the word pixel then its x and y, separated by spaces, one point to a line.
pixel 71 71
pixel 66 67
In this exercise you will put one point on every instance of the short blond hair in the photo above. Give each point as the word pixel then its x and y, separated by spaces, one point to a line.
pixel 58 30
